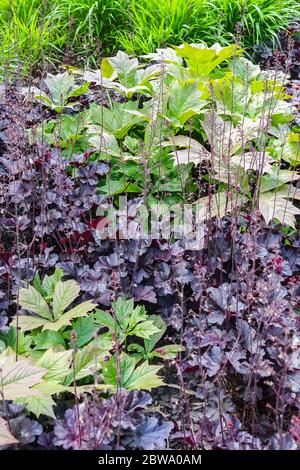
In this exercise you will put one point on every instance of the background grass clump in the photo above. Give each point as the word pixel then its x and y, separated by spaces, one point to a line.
pixel 80 30
pixel 156 23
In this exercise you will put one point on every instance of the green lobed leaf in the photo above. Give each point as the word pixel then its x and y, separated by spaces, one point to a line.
pixel 18 378
pixel 64 294
pixel 31 300
pixel 57 364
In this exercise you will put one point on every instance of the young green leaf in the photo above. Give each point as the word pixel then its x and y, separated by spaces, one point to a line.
pixel 19 378
pixel 143 377
pixel 31 300
pixel 104 319
pixel 48 339
pixel 133 377
pixel 185 101
pixel 161 327
pixel 57 364
pixel 87 360
pixel 123 309
pixel 64 294
pixel 49 282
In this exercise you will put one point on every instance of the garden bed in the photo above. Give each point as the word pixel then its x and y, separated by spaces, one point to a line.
pixel 150 253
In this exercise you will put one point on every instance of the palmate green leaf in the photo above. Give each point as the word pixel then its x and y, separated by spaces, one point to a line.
pixel 143 377
pixel 61 87
pixel 88 358
pixel 289 191
pixel 290 148
pixel 123 309
pixel 80 310
pixel 97 76
pixel 133 377
pixel 185 101
pixel 132 321
pixel 201 60
pixel 124 67
pixel 42 405
pixel 144 75
pixel 276 179
pixel 27 323
pixel 103 141
pixel 132 144
pixel 274 205
pixel 168 55
pixel 57 364
pixel 138 82
pixel 254 160
pixel 231 96
pixel 161 326
pixel 6 438
pixel 244 69
pixel 19 378
pixel 137 316
pixel 224 138
pixel 129 91
pixel 104 319
pixel 64 294
pixel 214 206
pixel 144 329
pixel 191 151
pixel 148 352
pixel 117 121
pixel 31 300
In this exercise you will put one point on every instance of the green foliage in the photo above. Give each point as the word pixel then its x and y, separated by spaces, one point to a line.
pixel 27 35
pixel 149 350
pixel 50 30
pixel 60 294
pixel 61 88
pixel 203 105
pixel 89 25
pixel 127 320
pixel 18 378
pixel 52 359
pixel 132 375
pixel 117 121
